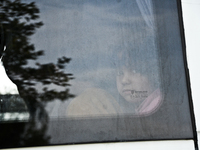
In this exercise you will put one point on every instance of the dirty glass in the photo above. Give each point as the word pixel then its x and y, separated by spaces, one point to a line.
pixel 80 71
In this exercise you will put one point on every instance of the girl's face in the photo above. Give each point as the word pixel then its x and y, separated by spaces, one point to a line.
pixel 132 86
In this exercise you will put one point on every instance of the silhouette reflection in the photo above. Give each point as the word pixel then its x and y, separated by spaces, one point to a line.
pixel 19 21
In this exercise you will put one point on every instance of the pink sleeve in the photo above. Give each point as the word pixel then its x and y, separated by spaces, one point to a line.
pixel 151 103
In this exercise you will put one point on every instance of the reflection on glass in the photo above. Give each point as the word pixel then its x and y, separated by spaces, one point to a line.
pixel 37 82
pixel 83 69
pixel 119 60
pixel 112 50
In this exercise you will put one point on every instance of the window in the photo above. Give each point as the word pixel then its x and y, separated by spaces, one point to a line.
pixel 93 71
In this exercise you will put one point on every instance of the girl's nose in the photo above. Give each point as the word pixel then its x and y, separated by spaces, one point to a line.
pixel 126 79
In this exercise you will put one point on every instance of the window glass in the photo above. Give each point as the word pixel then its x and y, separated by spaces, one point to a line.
pixel 93 71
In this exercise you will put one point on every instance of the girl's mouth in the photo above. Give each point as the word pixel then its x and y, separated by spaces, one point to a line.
pixel 129 91
pixel 136 94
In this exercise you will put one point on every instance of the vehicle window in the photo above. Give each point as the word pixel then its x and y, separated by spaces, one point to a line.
pixel 93 71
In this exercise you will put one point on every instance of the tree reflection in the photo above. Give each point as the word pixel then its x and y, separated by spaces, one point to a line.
pixel 19 21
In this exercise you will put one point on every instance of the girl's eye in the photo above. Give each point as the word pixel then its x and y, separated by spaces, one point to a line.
pixel 120 73
pixel 133 71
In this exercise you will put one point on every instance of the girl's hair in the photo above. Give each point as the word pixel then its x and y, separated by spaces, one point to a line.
pixel 140 58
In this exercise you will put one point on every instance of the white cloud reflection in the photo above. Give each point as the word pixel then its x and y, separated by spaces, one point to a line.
pixel 88 32
pixel 6 85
